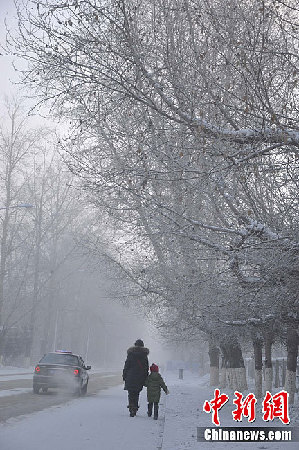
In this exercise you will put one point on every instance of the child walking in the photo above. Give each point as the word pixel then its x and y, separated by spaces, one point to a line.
pixel 154 383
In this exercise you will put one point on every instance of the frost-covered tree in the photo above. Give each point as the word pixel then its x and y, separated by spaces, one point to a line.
pixel 16 145
pixel 40 215
pixel 185 128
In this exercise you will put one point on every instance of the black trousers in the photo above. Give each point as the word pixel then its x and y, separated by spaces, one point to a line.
pixel 133 398
pixel 150 408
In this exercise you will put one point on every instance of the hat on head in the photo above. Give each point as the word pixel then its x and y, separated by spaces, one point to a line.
pixel 154 368
pixel 139 343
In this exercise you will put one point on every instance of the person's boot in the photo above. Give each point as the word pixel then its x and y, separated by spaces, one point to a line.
pixel 156 409
pixel 149 409
pixel 132 410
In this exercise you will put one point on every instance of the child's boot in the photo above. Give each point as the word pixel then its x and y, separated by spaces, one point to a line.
pixel 149 409
pixel 156 409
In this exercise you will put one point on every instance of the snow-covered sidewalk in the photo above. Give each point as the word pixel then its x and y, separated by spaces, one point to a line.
pixel 184 413
pixel 102 422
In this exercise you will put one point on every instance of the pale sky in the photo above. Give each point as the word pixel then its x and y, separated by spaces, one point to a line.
pixel 7 74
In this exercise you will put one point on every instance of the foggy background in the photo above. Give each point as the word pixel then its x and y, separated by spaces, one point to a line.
pixel 77 310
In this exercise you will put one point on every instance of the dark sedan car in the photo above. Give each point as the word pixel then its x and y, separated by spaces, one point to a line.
pixel 61 369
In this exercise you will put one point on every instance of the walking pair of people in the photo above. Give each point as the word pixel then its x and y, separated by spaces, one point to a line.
pixel 135 376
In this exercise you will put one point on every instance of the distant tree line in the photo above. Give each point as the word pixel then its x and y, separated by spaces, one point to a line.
pixel 40 229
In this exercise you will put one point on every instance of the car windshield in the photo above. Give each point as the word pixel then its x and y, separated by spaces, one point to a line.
pixel 59 358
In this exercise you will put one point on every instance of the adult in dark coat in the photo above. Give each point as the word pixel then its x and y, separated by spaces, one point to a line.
pixel 135 373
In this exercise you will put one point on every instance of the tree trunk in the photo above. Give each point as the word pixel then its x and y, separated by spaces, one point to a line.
pixel 283 374
pixel 292 348
pixel 251 369
pixel 4 244
pixel 224 366
pixel 258 366
pixel 268 361
pixel 238 368
pixel 214 364
pixel 236 372
pixel 37 255
pixel 276 378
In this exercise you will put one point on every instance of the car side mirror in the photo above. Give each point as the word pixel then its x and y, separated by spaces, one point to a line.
pixel 88 367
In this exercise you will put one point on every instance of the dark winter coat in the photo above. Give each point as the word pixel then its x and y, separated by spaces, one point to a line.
pixel 136 368
pixel 154 383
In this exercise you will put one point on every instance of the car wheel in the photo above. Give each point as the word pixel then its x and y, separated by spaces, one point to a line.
pixel 84 389
pixel 36 388
pixel 78 390
pixel 45 389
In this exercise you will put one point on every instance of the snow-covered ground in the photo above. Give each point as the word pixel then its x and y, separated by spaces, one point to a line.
pixel 15 391
pixel 102 422
pixel 184 413
pixel 11 377
pixel 15 373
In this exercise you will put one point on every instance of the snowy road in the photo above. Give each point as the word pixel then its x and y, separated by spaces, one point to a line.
pixel 17 398
pixel 100 422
